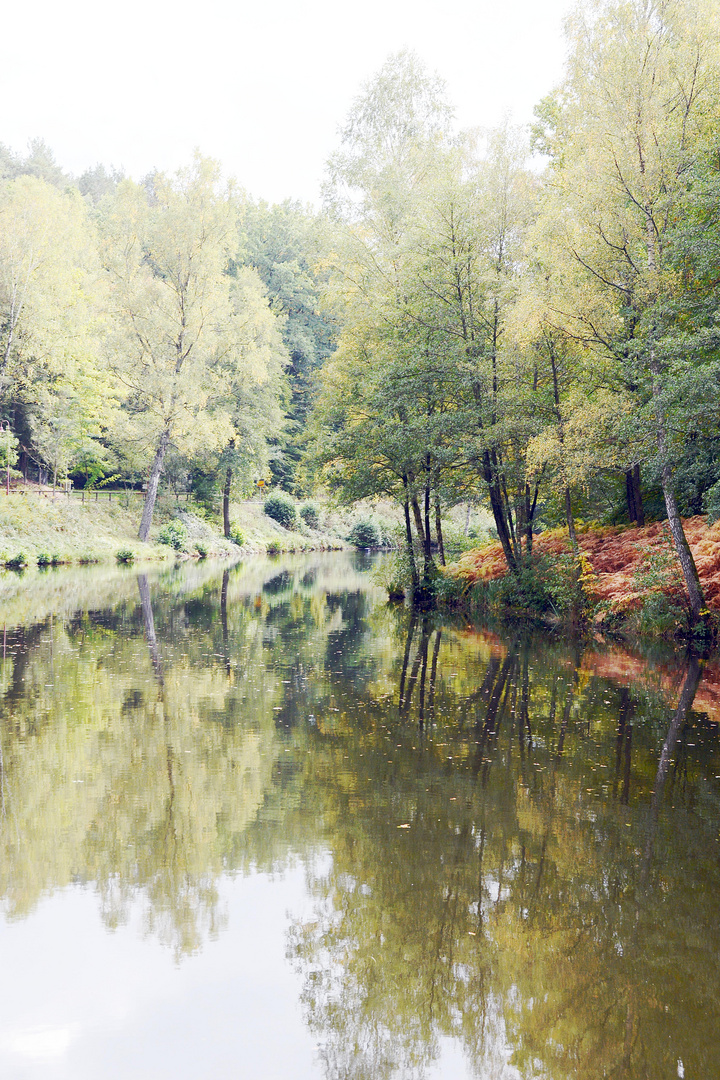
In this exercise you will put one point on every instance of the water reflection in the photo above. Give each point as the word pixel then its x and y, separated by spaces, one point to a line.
pixel 508 853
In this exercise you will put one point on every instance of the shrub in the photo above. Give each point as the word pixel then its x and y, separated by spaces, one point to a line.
pixel 174 534
pixel 281 508
pixel 310 515
pixel 17 562
pixel 657 576
pixel 125 555
pixel 201 549
pixel 236 534
pixel 711 503
pixel 44 559
pixel 449 590
pixel 394 574
pixel 364 534
pixel 274 547
pixel 538 587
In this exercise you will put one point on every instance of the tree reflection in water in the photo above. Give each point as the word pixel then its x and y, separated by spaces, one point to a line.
pixel 521 855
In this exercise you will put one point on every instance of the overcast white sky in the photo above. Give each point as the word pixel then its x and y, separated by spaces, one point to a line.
pixel 140 83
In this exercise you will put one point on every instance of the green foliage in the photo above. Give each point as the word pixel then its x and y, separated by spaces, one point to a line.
pixel 540 587
pixel 658 578
pixel 44 559
pixel 201 549
pixel 125 555
pixel 281 508
pixel 449 591
pixel 364 534
pixel 711 503
pixel 274 547
pixel 17 562
pixel 310 515
pixel 174 534
pixel 236 534
pixel 393 573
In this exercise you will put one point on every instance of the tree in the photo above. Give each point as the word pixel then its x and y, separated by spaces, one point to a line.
pixel 49 310
pixel 291 250
pixel 632 117
pixel 178 338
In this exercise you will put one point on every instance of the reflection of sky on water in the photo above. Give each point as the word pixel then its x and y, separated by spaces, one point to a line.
pixel 85 1004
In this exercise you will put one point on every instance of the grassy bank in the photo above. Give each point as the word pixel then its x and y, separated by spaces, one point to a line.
pixel 36 528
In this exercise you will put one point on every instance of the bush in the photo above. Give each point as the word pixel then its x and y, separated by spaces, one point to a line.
pixel 201 549
pixel 310 515
pixel 394 575
pixel 236 534
pixel 281 508
pixel 364 534
pixel 44 559
pixel 540 587
pixel 658 577
pixel 711 503
pixel 125 555
pixel 449 590
pixel 17 562
pixel 174 534
pixel 274 547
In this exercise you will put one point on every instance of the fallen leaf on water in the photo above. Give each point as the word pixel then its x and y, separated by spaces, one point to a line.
pixel 403 826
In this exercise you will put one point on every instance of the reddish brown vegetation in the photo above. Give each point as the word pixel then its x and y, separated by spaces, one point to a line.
pixel 614 555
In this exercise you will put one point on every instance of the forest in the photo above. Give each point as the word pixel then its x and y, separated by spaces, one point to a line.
pixel 525 320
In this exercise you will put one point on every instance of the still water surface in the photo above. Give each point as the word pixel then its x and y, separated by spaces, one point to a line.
pixel 257 824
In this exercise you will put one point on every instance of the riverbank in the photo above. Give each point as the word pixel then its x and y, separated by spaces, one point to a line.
pixel 42 529
pixel 628 579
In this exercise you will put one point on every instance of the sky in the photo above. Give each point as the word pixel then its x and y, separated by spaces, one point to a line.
pixel 263 88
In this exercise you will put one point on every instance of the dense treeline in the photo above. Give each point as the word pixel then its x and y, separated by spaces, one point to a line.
pixel 163 328
pixel 545 341
pixel 526 319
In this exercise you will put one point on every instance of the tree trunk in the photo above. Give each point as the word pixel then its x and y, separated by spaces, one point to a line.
pixel 153 481
pixel 427 545
pixel 633 495
pixel 409 537
pixel 639 508
pixel 226 504
pixel 438 531
pixel 696 599
pixel 418 520
pixel 496 504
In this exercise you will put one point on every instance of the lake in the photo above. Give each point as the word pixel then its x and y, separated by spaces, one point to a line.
pixel 255 822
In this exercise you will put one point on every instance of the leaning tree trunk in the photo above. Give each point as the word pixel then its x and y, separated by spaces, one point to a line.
pixel 498 509
pixel 153 481
pixel 696 599
pixel 226 504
